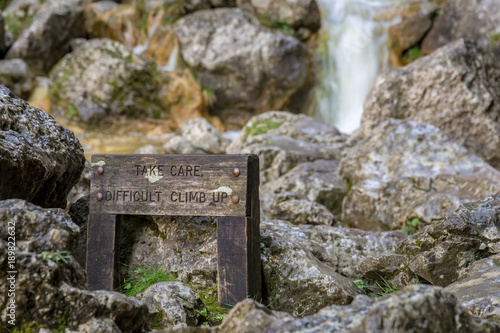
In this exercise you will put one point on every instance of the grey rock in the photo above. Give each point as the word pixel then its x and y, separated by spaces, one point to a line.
pixel 283 140
pixel 50 283
pixel 79 213
pixel 149 149
pixel 417 308
pixel 46 40
pixel 180 306
pixel 82 188
pixel 460 20
pixel 315 181
pixel 95 325
pixel 180 145
pixel 478 290
pixel 457 89
pixel 405 170
pixel 104 79
pixel 203 135
pixel 40 160
pixel 303 14
pixel 442 251
pixel 15 75
pixel 250 68
pixel 286 206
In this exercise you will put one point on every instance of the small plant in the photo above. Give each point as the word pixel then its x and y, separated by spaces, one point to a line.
pixel 213 314
pixel 361 284
pixel 141 279
pixel 387 287
pixel 72 112
pixel 412 54
pixel 439 12
pixel 269 22
pixel 209 97
pixel 55 256
pixel 412 227
pixel 494 37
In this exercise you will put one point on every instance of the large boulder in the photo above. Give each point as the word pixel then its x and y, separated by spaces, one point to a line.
pixel 50 284
pixel 283 140
pixel 251 69
pixel 457 88
pixel 460 19
pixel 203 135
pixel 47 39
pixel 103 79
pixel 442 251
pixel 405 171
pixel 16 75
pixel 479 288
pixel 302 16
pixel 40 160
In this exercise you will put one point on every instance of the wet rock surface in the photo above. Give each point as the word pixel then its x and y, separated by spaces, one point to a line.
pixel 406 170
pixel 40 160
pixel 223 45
pixel 456 89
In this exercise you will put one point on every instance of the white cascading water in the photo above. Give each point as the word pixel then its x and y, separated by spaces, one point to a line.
pixel 352 50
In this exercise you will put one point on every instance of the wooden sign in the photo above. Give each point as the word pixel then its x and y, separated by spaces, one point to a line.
pixel 225 186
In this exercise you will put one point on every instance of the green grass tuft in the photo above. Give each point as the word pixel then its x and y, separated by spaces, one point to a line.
pixel 261 127
pixel 141 279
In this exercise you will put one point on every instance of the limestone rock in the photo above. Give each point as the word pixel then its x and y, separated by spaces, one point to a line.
pixel 283 140
pixel 303 14
pixel 315 181
pixel 50 283
pixel 460 20
pixel 179 305
pixel 40 160
pixel 286 206
pixel 203 135
pixel 46 40
pixel 250 68
pixel 478 290
pixel 149 149
pixel 180 145
pixel 104 79
pixel 406 170
pixel 417 308
pixel 443 250
pixel 15 75
pixel 457 88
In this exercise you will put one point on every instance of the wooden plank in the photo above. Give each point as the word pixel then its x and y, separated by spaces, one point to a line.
pixel 232 268
pixel 162 184
pixel 253 230
pixel 102 242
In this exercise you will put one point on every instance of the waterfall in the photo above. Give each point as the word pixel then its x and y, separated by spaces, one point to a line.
pixel 352 49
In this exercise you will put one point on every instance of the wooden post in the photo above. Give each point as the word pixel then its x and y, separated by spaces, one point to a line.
pixel 226 186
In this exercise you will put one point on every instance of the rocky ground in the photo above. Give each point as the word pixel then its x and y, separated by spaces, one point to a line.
pixel 394 228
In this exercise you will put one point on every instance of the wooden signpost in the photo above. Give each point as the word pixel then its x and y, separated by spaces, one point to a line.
pixel 226 186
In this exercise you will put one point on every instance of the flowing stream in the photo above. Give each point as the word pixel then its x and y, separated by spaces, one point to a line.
pixel 351 52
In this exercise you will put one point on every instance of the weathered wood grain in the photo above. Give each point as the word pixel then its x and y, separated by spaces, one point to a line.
pixel 204 187
pixel 102 249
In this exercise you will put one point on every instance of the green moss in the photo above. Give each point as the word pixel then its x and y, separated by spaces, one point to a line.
pixel 72 112
pixel 157 322
pixel 158 233
pixel 17 25
pixel 496 262
pixel 261 127
pixel 269 22
pixel 494 37
pixel 214 314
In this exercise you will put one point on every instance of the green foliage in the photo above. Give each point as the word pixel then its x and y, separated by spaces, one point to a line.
pixel 157 322
pixel 494 37
pixel 141 279
pixel 55 256
pixel 379 289
pixel 412 54
pixel 412 227
pixel 385 288
pixel 439 12
pixel 142 23
pixel 3 4
pixel 269 22
pixel 71 112
pixel 173 12
pixel 261 127
pixel 31 327
pixel 209 96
